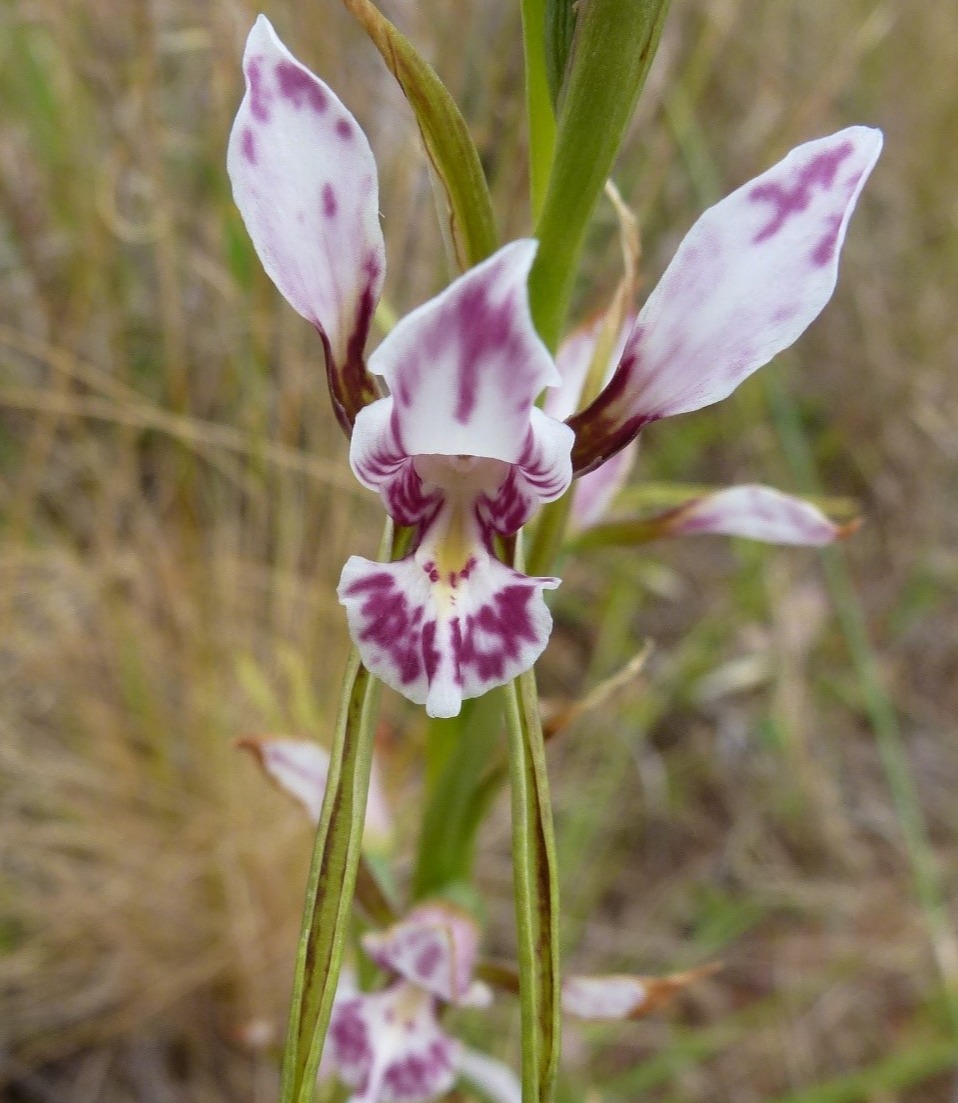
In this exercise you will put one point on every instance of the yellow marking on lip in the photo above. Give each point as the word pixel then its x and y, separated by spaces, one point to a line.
pixel 454 548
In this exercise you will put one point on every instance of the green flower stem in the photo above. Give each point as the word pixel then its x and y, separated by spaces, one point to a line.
pixel 333 871
pixel 613 47
pixel 459 751
pixel 536 892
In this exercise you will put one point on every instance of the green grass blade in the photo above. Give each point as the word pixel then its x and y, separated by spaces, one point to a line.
pixel 881 713
pixel 335 863
pixel 541 119
pixel 457 798
pixel 896 1073
pixel 537 892
pixel 615 41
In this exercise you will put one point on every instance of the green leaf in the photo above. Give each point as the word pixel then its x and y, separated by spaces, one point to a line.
pixel 445 135
pixel 539 101
pixel 459 792
pixel 536 891
pixel 560 19
pixel 613 47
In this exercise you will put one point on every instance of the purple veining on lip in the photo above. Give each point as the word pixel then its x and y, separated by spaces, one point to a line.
pixel 506 620
pixel 330 205
pixel 787 201
pixel 418 1076
pixel 349 1034
pixel 486 633
pixel 300 87
pixel 390 623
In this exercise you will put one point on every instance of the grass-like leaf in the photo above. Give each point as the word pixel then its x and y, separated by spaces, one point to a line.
pixel 445 136
pixel 615 41
pixel 537 892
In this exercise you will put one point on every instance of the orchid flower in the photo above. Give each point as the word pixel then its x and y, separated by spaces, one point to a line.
pixel 388 1045
pixel 458 449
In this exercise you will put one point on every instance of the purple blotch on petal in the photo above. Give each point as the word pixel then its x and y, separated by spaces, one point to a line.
pixel 819 172
pixel 258 96
pixel 344 128
pixel 330 206
pixel 249 145
pixel 428 959
pixel 416 1076
pixel 300 87
pixel 389 623
pixel 349 1034
pixel 824 251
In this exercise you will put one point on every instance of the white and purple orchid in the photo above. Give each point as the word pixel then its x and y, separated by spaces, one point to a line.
pixel 388 1046
pixel 459 449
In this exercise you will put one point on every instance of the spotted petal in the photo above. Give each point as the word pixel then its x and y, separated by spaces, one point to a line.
pixel 304 180
pixel 435 947
pixel 750 276
pixel 388 1047
pixel 755 512
pixel 439 638
pixel 464 371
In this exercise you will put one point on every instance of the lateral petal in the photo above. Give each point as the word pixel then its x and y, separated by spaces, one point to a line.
pixel 753 272
pixel 756 513
pixel 305 182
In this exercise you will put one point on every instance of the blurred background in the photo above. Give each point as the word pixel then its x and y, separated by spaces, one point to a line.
pixel 778 790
